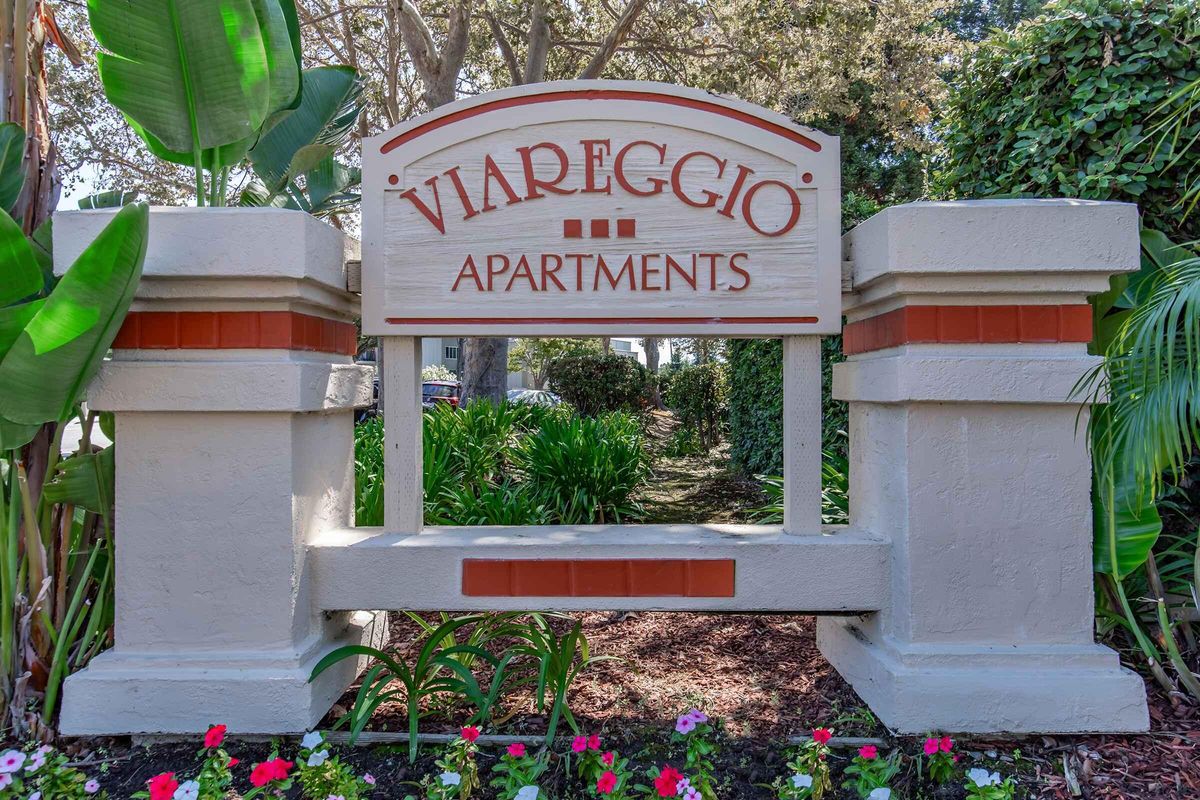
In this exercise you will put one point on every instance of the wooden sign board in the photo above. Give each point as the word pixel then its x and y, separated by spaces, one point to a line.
pixel 601 208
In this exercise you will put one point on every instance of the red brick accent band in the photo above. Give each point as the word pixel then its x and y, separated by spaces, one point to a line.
pixel 968 325
pixel 226 330
pixel 626 577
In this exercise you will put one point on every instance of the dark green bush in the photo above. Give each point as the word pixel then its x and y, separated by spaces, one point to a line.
pixel 1059 107
pixel 598 382
pixel 697 394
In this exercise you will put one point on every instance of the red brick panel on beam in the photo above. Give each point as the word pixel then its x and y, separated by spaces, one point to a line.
pixel 225 330
pixel 630 577
pixel 968 325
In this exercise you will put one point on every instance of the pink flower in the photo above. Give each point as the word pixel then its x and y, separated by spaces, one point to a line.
pixel 233 762
pixel 685 724
pixel 868 752
pixel 593 742
pixel 516 750
pixel 274 770
pixel 822 735
pixel 946 744
pixel 369 779
pixel 162 786
pixel 579 744
pixel 667 781
pixel 608 758
pixel 606 782
pixel 931 746
pixel 697 716
pixel 470 733
pixel 91 786
pixel 215 735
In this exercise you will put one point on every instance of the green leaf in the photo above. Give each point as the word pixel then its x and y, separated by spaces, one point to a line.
pixel 110 199
pixel 329 105
pixel 84 480
pixel 12 164
pixel 45 372
pixel 42 242
pixel 13 435
pixel 1126 523
pixel 19 268
pixel 211 159
pixel 13 320
pixel 328 185
pixel 196 76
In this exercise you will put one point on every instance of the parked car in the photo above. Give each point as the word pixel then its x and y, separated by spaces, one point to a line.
pixel 536 397
pixel 433 392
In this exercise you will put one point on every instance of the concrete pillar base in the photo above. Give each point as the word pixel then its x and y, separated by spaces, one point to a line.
pixel 184 693
pixel 964 688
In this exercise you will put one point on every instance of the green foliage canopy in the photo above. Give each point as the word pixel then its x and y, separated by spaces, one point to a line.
pixel 597 382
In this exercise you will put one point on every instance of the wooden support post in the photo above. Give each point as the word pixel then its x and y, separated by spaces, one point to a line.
pixel 403 484
pixel 802 435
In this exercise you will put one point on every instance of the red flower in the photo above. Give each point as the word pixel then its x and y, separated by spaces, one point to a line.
pixel 579 744
pixel 667 782
pixel 608 758
pixel 470 733
pixel 593 742
pixel 516 750
pixel 215 735
pixel 946 744
pixel 274 770
pixel 868 752
pixel 606 782
pixel 931 746
pixel 822 735
pixel 163 786
pixel 233 762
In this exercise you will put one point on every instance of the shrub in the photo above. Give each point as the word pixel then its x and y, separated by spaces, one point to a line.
pixel 1060 107
pixel 697 394
pixel 597 382
pixel 437 372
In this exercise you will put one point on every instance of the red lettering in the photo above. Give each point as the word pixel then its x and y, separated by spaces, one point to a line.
pixel 468 268
pixel 522 270
pixel 735 190
pixel 711 197
pixel 619 169
pixel 712 269
pixel 549 273
pixel 492 271
pixel 603 267
pixel 673 265
pixel 733 265
pixel 492 172
pixel 748 215
pixel 533 183
pixel 647 271
pixel 594 157
pixel 452 173
pixel 579 257
pixel 438 221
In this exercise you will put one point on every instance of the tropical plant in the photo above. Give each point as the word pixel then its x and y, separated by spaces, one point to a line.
pixel 835 492
pixel 56 559
pixel 200 82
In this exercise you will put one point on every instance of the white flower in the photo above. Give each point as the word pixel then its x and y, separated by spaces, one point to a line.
pixel 11 760
pixel 35 796
pixel 682 787
pixel 318 758
pixel 36 759
pixel 882 793
pixel 802 781
pixel 5 780
pixel 981 777
pixel 311 740
pixel 527 793
pixel 92 786
pixel 188 790
pixel 450 778
pixel 335 797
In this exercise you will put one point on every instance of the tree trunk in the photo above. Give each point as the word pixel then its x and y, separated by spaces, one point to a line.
pixel 650 345
pixel 485 368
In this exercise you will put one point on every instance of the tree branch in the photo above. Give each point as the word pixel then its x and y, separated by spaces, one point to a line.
pixel 510 58
pixel 539 44
pixel 612 41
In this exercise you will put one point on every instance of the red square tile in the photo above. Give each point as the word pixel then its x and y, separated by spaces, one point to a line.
pixel 712 577
pixel 599 229
pixel 1038 323
pixel 348 336
pixel 328 336
pixel 998 324
pixel 299 328
pixel 237 329
pixel 486 578
pixel 198 329
pixel 850 337
pixel 129 334
pixel 572 229
pixel 537 578
pixel 1076 323
pixel 626 228
pixel 600 578
pixel 958 324
pixel 275 329
pixel 159 329
pixel 920 324
pixel 653 577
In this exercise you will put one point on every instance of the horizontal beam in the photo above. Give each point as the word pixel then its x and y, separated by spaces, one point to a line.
pixel 366 568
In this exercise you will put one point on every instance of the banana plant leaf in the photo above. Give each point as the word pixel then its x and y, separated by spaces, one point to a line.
pixel 196 77
pixel 44 373
pixel 12 164
pixel 330 103
pixel 111 199
pixel 1126 523
pixel 20 275
pixel 84 480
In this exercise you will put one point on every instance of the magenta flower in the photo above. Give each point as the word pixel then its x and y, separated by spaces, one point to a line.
pixel 685 724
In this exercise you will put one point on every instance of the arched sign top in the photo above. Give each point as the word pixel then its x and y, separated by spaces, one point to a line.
pixel 601 208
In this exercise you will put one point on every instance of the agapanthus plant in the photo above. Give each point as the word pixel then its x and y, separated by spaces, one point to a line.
pixel 44 773
pixel 696 732
pixel 518 772
pixel 939 758
pixel 868 773
pixel 984 785
pixel 322 774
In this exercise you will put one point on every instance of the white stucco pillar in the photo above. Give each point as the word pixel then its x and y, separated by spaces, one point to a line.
pixel 233 385
pixel 966 332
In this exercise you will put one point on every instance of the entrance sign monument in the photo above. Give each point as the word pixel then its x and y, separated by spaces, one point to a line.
pixel 958 598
